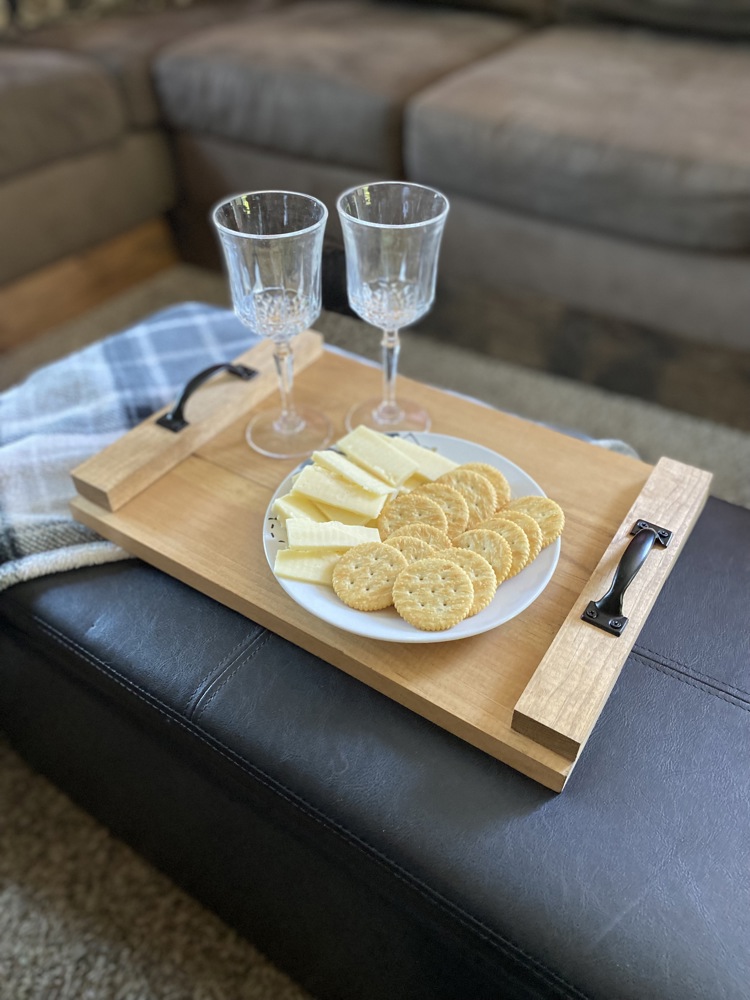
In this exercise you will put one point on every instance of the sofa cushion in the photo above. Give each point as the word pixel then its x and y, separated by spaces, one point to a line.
pixel 27 15
pixel 727 17
pixel 53 105
pixel 625 131
pixel 75 203
pixel 539 11
pixel 125 45
pixel 327 81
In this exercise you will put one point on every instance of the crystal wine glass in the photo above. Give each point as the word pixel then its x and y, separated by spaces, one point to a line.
pixel 392 232
pixel 273 248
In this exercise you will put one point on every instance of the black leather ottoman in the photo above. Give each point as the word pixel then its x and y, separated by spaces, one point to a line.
pixel 372 855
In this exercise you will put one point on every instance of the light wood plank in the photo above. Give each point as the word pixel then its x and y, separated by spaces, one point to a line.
pixel 569 688
pixel 136 460
pixel 67 289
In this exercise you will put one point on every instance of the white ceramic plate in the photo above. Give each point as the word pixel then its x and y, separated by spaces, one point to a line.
pixel 510 600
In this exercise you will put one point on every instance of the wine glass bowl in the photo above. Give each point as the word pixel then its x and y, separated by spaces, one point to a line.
pixel 392 232
pixel 273 245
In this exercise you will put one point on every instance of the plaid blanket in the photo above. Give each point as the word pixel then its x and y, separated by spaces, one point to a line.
pixel 72 408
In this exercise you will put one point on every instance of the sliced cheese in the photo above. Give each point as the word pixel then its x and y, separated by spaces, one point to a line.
pixel 430 464
pixel 322 486
pixel 303 534
pixel 345 516
pixel 309 567
pixel 340 465
pixel 375 452
pixel 298 506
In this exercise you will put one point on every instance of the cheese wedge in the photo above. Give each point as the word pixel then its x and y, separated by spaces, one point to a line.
pixel 375 452
pixel 308 567
pixel 430 464
pixel 322 486
pixel 298 506
pixel 303 534
pixel 340 465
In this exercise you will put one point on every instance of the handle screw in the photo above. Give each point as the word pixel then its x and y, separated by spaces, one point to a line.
pixel 663 533
pixel 592 613
pixel 615 623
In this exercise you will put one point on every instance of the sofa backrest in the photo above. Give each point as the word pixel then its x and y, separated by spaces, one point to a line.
pixel 725 17
pixel 729 18
pixel 715 17
pixel 539 11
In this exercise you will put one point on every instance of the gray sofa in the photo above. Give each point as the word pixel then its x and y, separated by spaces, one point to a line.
pixel 597 154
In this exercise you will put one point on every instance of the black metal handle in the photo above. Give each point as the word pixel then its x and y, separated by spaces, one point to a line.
pixel 606 613
pixel 175 420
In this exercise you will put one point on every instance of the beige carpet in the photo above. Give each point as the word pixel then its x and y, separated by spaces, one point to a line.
pixel 81 916
pixel 84 918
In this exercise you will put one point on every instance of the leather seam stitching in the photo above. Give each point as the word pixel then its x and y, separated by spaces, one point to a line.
pixel 470 922
pixel 202 686
pixel 200 709
pixel 664 668
pixel 669 661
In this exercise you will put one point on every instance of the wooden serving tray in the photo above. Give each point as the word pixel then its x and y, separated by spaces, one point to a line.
pixel 528 692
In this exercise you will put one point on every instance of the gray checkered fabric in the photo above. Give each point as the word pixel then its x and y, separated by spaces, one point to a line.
pixel 69 410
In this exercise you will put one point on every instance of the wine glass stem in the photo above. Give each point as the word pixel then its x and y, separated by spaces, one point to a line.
pixel 288 421
pixel 389 410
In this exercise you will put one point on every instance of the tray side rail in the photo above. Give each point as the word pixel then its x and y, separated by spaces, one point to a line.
pixel 566 694
pixel 147 452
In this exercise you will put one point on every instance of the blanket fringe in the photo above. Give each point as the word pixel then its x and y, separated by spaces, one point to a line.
pixel 59 561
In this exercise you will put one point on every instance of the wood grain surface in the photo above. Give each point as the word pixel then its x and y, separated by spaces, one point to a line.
pixel 567 692
pixel 141 457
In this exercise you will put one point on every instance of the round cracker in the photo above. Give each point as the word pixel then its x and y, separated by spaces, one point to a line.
pixel 529 526
pixel 476 489
pixel 433 594
pixel 427 532
pixel 492 546
pixel 495 476
pixel 411 547
pixel 410 508
pixel 515 536
pixel 481 574
pixel 547 514
pixel 363 577
pixel 454 506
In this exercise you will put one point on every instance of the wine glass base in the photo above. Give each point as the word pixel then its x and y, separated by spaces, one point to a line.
pixel 410 417
pixel 264 435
